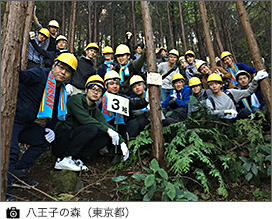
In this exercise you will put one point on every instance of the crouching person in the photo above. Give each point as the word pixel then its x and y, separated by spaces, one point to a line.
pixel 85 131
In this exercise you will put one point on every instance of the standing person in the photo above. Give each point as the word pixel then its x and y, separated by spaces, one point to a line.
pixel 126 67
pixel 204 69
pixel 35 59
pixel 85 131
pixel 233 67
pixel 163 55
pixel 224 104
pixel 168 70
pixel 41 94
pixel 191 67
pixel 108 63
pixel 183 64
pixel 85 69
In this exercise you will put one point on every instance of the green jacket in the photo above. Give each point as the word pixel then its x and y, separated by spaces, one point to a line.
pixel 80 113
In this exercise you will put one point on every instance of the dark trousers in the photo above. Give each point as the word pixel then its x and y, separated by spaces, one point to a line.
pixel 177 115
pixel 31 134
pixel 135 126
pixel 80 142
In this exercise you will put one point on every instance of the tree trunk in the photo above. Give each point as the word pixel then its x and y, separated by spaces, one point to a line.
pixel 255 52
pixel 182 28
pixel 154 93
pixel 204 17
pixel 112 27
pixel 72 26
pixel 160 21
pixel 170 27
pixel 89 22
pixel 11 50
pixel 63 19
pixel 95 22
pixel 28 25
pixel 134 22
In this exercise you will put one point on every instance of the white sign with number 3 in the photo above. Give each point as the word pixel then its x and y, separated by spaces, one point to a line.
pixel 118 104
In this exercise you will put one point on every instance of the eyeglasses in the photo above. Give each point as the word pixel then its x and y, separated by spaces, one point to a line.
pixel 98 90
pixel 70 71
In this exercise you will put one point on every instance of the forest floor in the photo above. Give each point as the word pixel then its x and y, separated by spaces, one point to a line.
pixel 97 184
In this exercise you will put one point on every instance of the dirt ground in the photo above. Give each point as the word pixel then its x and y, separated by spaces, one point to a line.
pixel 98 185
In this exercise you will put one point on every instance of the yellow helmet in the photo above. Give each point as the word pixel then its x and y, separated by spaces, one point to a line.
pixel 162 48
pixel 182 58
pixel 92 45
pixel 61 37
pixel 95 78
pixel 215 77
pixel 225 54
pixel 177 76
pixel 199 64
pixel 122 49
pixel 107 49
pixel 194 81
pixel 127 33
pixel 189 52
pixel 174 52
pixel 53 23
pixel 44 31
pixel 242 72
pixel 135 79
pixel 67 58
pixel 111 75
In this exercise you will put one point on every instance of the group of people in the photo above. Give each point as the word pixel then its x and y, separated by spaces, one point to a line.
pixel 70 96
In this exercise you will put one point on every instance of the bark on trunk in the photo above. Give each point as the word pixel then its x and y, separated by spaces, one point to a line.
pixel 112 27
pixel 89 22
pixel 11 37
pixel 160 21
pixel 72 26
pixel 170 27
pixel 95 38
pixel 134 22
pixel 63 19
pixel 154 93
pixel 182 28
pixel 204 17
pixel 255 52
pixel 28 25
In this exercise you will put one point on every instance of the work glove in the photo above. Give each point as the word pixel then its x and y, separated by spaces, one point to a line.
pixel 230 114
pixel 31 35
pixel 114 135
pixel 50 136
pixel 261 75
pixel 218 72
pixel 69 89
pixel 125 150
pixel 174 95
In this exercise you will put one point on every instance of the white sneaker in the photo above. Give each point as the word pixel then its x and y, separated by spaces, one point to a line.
pixel 79 163
pixel 66 164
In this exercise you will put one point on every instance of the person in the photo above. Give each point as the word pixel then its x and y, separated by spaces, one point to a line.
pixel 41 95
pixel 108 63
pixel 168 70
pixel 126 67
pixel 223 104
pixel 204 69
pixel 191 67
pixel 34 58
pixel 50 56
pixel 233 67
pixel 84 70
pixel 112 83
pixel 183 64
pixel 163 55
pixel 198 92
pixel 85 131
pixel 254 102
pixel 177 100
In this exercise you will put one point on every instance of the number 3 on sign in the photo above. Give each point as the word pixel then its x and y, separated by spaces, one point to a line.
pixel 118 104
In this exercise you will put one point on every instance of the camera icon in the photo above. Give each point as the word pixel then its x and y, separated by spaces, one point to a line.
pixel 13 212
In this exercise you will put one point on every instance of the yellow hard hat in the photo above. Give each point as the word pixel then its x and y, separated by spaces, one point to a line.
pixel 92 45
pixel 177 76
pixel 199 64
pixel 53 23
pixel 174 52
pixel 225 54
pixel 242 72
pixel 44 31
pixel 135 79
pixel 67 58
pixel 61 37
pixel 127 33
pixel 95 78
pixel 189 52
pixel 194 81
pixel 162 48
pixel 122 49
pixel 215 77
pixel 107 49
pixel 182 58
pixel 111 75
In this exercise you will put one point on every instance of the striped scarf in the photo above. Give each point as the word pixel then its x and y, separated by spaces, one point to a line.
pixel 47 103
pixel 123 72
pixel 233 79
pixel 109 65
